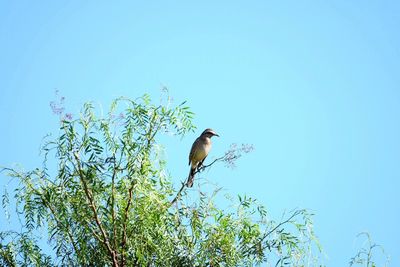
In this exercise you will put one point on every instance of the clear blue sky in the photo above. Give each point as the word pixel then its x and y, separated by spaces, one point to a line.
pixel 314 85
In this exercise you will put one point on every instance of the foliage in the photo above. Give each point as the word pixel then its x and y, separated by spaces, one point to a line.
pixel 365 255
pixel 21 249
pixel 110 201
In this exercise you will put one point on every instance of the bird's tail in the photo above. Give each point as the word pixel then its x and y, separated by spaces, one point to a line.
pixel 191 178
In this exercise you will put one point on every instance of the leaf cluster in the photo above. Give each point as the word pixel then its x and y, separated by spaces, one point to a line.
pixel 108 202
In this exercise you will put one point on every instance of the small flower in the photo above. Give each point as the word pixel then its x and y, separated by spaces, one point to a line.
pixel 68 116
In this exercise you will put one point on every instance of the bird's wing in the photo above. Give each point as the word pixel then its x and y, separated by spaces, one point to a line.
pixel 193 149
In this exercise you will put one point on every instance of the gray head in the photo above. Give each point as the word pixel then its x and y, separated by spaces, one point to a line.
pixel 209 133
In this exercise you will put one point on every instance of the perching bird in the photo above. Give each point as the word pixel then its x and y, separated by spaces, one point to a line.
pixel 199 152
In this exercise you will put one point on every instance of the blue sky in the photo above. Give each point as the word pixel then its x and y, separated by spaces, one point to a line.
pixel 314 85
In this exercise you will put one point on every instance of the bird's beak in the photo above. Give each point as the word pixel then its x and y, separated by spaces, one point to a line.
pixel 216 134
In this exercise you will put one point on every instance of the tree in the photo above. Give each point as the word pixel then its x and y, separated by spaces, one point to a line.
pixel 107 199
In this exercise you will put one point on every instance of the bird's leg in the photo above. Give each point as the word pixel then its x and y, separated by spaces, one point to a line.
pixel 200 166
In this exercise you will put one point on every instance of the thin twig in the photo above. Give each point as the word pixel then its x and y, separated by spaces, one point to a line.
pixel 178 195
pixel 199 169
pixel 297 212
pixel 203 167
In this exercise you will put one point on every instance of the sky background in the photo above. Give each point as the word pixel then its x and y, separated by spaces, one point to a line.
pixel 313 85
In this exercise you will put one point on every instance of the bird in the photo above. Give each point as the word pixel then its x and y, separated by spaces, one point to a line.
pixel 200 149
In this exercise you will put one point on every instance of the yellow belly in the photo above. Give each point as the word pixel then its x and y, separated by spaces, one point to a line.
pixel 200 153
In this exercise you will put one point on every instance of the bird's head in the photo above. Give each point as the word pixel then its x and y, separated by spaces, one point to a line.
pixel 209 133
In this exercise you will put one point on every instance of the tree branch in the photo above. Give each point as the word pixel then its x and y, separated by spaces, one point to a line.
pixel 92 205
pixel 297 212
pixel 150 136
pixel 115 169
pixel 259 243
pixel 199 169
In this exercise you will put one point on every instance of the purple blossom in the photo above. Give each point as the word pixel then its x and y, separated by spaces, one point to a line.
pixel 57 106
pixel 68 116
